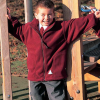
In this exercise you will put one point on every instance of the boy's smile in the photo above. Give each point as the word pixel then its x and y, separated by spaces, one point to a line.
pixel 44 15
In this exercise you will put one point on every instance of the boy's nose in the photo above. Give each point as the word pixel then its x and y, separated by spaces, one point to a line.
pixel 46 17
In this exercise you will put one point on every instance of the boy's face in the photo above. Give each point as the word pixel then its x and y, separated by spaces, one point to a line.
pixel 44 15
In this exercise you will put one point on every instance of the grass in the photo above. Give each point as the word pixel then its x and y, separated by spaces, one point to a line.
pixel 20 89
pixel 19 67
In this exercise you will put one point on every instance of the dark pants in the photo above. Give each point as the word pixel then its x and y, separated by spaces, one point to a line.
pixel 54 90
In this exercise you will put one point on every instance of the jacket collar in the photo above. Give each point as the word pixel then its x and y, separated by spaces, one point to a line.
pixel 35 24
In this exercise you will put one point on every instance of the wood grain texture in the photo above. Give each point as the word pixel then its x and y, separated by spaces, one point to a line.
pixel 97 4
pixel 28 10
pixel 75 71
pixel 28 18
pixel 5 58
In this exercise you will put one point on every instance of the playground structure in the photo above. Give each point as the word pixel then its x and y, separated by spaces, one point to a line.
pixel 76 77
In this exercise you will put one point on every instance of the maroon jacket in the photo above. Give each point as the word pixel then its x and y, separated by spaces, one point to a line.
pixel 97 28
pixel 47 54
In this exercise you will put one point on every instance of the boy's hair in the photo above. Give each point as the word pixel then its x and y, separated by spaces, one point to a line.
pixel 44 3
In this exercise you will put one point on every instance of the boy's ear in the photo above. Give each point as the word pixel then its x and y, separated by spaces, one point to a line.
pixel 36 15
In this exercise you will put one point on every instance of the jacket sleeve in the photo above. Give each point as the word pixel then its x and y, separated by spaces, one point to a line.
pixel 76 27
pixel 97 28
pixel 16 28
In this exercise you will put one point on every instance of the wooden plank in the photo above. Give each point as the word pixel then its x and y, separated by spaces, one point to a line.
pixel 90 77
pixel 7 90
pixel 75 80
pixel 98 61
pixel 99 87
pixel 89 68
pixel 28 18
pixel 97 4
pixel 93 75
pixel 86 70
pixel 28 10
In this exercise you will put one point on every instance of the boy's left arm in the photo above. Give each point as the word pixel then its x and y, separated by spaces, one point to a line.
pixel 97 26
pixel 76 27
pixel 97 13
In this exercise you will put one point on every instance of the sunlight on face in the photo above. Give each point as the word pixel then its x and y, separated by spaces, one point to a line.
pixel 45 15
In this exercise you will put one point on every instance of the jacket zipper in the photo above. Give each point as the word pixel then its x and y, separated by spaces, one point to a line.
pixel 43 59
pixel 42 50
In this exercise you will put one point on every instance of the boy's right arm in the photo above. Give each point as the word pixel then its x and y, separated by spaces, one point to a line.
pixel 14 26
pixel 8 13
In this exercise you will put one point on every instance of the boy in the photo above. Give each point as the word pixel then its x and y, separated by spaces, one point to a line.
pixel 47 49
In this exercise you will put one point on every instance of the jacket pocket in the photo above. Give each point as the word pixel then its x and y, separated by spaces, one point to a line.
pixel 31 62
pixel 60 62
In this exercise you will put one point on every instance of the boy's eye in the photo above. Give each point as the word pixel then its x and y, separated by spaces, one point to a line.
pixel 49 15
pixel 42 14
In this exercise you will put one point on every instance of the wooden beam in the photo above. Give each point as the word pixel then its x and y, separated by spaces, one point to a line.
pixel 89 68
pixel 90 77
pixel 28 18
pixel 28 10
pixel 99 87
pixel 97 4
pixel 71 9
pixel 5 58
pixel 75 80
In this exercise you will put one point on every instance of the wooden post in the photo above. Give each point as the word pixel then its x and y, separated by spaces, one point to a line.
pixel 97 4
pixel 28 10
pixel 99 86
pixel 28 18
pixel 6 73
pixel 75 80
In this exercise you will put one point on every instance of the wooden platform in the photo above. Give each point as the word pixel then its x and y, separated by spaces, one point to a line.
pixel 92 62
pixel 91 49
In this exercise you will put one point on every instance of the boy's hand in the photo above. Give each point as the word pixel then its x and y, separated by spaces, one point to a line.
pixel 8 13
pixel 92 11
pixel 97 14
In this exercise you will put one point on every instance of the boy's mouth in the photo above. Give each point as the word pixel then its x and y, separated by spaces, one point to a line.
pixel 45 21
